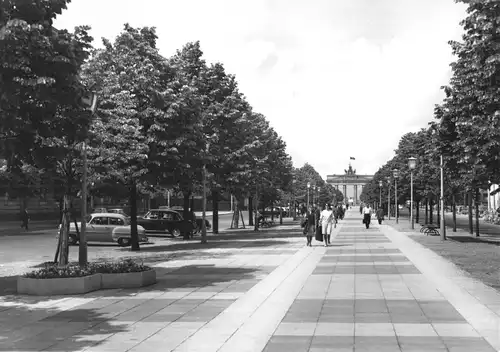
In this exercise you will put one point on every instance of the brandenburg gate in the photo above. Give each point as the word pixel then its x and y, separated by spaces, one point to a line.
pixel 350 184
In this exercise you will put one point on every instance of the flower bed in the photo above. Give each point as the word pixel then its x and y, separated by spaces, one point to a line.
pixel 126 274
pixel 71 279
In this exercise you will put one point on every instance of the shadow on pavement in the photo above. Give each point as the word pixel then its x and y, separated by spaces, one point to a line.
pixel 28 326
pixel 32 328
pixel 467 239
pixel 212 244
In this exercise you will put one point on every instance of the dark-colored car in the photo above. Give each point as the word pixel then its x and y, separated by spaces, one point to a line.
pixel 197 220
pixel 165 221
pixel 275 212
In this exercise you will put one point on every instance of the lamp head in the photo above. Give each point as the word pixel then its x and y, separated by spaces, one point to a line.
pixel 395 173
pixel 308 184
pixel 412 163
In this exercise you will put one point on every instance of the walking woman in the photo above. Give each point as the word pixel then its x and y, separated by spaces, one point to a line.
pixel 380 215
pixel 310 226
pixel 326 219
pixel 367 215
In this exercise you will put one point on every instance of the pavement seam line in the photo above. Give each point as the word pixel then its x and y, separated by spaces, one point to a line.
pixel 446 285
pixel 260 293
pixel 287 292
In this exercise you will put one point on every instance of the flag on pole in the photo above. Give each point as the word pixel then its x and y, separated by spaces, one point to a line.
pixel 352 158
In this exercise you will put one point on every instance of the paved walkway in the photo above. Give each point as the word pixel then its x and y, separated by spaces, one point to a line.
pixel 371 290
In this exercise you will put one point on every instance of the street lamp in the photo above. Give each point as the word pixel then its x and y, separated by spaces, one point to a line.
pixel 89 102
pixel 380 184
pixel 389 199
pixel 442 224
pixel 412 163
pixel 318 195
pixel 313 193
pixel 308 187
pixel 395 173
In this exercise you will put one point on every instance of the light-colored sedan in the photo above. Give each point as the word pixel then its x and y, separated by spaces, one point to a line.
pixel 107 227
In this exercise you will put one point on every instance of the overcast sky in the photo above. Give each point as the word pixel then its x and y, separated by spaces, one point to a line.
pixel 335 78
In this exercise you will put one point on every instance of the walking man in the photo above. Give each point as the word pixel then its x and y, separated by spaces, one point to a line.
pixel 25 219
pixel 380 215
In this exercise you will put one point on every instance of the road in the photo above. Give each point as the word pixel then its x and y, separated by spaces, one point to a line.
pixel 39 246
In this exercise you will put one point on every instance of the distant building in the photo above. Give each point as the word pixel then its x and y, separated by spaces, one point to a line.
pixel 350 184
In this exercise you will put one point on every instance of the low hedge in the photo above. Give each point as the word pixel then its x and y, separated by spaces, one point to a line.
pixel 53 271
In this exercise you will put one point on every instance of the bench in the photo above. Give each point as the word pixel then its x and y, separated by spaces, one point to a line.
pixel 430 229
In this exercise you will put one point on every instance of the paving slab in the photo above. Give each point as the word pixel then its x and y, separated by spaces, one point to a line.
pixel 371 290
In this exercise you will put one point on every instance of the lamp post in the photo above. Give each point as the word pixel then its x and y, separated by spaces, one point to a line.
pixel 89 101
pixel 389 199
pixel 308 187
pixel 319 188
pixel 395 173
pixel 313 193
pixel 293 203
pixel 412 163
pixel 380 184
pixel 442 224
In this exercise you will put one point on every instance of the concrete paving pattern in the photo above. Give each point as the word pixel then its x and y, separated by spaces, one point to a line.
pixel 371 290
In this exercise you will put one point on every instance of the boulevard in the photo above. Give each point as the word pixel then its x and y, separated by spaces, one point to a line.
pixel 371 290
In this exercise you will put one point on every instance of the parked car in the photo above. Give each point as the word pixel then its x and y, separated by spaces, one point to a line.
pixel 275 211
pixel 197 220
pixel 165 221
pixel 118 211
pixel 107 227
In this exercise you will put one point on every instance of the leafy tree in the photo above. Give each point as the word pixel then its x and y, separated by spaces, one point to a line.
pixel 41 91
pixel 128 73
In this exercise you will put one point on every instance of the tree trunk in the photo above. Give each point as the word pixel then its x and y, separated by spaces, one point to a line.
pixel 215 212
pixel 61 208
pixel 185 213
pixel 64 249
pixel 439 213
pixel 431 211
pixel 256 220
pixel 426 210
pixel 134 236
pixel 250 211
pixel 236 214
pixel 23 204
pixel 272 211
pixel 417 215
pixel 476 201
pixel 454 213
pixel 469 201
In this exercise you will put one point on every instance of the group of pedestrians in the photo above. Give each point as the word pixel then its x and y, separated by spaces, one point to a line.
pixel 319 223
pixel 367 211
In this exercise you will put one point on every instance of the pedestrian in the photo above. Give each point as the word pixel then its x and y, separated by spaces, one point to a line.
pixel 326 221
pixel 25 219
pixel 331 223
pixel 361 208
pixel 335 216
pixel 317 225
pixel 310 227
pixel 367 215
pixel 380 215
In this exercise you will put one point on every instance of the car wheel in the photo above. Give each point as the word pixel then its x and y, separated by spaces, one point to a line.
pixel 176 232
pixel 72 240
pixel 124 242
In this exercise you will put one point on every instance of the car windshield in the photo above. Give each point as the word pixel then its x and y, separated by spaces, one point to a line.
pixel 87 218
